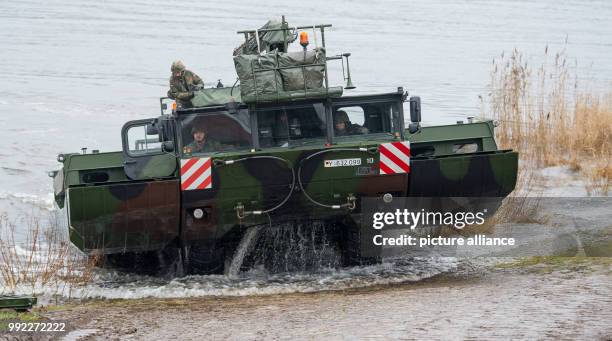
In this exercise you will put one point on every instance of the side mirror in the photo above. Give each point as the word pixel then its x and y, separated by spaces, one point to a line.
pixel 168 146
pixel 152 128
pixel 415 109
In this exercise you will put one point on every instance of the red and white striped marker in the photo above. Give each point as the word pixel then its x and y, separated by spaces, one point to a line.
pixel 394 157
pixel 196 173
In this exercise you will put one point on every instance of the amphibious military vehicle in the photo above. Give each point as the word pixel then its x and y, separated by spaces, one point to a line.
pixel 274 151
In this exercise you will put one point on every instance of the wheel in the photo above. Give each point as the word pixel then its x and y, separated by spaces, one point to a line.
pixel 352 249
pixel 165 262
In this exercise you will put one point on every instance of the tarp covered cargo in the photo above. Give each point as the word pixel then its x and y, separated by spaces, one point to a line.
pixel 215 96
pixel 273 76
pixel 258 76
pixel 268 40
pixel 306 78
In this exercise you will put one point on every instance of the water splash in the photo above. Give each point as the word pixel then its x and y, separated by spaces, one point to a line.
pixel 306 246
pixel 116 285
pixel 246 244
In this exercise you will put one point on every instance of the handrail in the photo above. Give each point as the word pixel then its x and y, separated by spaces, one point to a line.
pixel 288 67
pixel 283 28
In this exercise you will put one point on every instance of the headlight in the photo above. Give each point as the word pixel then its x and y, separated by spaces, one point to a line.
pixel 198 213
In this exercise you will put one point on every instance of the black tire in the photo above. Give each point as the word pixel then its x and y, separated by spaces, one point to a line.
pixel 165 262
pixel 352 251
pixel 203 259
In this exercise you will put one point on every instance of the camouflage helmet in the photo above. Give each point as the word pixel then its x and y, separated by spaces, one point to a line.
pixel 177 65
pixel 340 117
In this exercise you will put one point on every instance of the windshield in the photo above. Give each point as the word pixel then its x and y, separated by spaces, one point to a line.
pixel 364 118
pixel 289 126
pixel 215 132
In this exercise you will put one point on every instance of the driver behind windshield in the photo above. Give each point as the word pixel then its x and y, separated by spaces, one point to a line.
pixel 344 127
pixel 201 144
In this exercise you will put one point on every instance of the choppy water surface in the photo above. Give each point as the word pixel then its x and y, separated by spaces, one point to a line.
pixel 259 282
pixel 74 71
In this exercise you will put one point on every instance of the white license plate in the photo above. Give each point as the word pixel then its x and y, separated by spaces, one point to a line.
pixel 342 163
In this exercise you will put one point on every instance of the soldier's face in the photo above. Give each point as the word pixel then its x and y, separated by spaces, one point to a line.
pixel 178 73
pixel 199 136
pixel 340 126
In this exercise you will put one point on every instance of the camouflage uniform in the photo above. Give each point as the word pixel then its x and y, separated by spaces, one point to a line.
pixel 349 128
pixel 182 87
pixel 207 147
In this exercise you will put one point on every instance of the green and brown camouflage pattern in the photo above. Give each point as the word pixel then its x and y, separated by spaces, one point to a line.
pixel 111 212
pixel 130 203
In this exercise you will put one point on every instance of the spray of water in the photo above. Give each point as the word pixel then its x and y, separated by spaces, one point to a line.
pixel 296 247
pixel 246 244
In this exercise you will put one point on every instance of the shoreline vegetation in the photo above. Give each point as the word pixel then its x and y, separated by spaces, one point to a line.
pixel 551 119
pixel 44 261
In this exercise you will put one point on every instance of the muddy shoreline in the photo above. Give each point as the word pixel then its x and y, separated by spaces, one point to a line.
pixel 547 299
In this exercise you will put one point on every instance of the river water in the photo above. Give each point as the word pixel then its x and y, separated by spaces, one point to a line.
pixel 73 72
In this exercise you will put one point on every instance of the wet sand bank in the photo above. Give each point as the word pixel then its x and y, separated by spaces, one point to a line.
pixel 541 301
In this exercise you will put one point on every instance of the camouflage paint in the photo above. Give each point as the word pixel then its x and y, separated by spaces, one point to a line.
pixel 118 206
pixel 125 217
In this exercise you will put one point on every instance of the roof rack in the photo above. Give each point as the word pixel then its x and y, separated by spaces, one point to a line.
pixel 248 34
pixel 269 73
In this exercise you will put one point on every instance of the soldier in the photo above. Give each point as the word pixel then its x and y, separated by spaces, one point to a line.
pixel 182 84
pixel 344 127
pixel 201 144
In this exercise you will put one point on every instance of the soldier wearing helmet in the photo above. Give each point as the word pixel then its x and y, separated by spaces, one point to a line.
pixel 182 84
pixel 201 143
pixel 344 127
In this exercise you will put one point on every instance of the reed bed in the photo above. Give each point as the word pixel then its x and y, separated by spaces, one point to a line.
pixel 550 119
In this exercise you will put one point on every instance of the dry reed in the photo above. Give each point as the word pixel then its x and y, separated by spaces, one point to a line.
pixel 40 258
pixel 549 120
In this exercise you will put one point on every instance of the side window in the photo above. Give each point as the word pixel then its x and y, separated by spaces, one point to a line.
pixel 366 118
pixel 355 114
pixel 349 121
pixel 142 140
pixel 280 127
pixel 215 132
